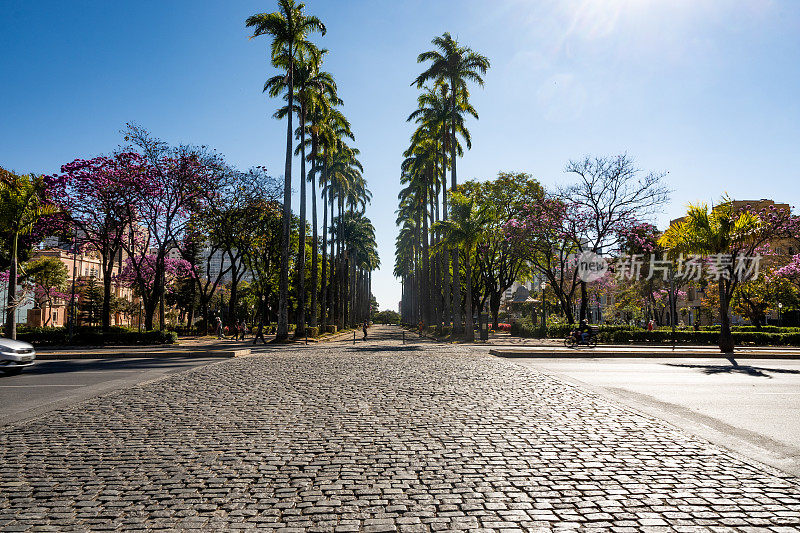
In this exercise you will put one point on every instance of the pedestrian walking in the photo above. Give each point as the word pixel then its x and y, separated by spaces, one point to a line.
pixel 259 334
pixel 366 325
pixel 220 333
pixel 242 329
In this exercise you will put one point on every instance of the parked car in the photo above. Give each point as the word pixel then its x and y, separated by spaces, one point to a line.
pixel 15 355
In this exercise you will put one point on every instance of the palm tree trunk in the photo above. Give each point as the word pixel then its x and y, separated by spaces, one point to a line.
pixel 457 306
pixel 339 270
pixel 726 344
pixel 11 303
pixel 332 261
pixel 323 285
pixel 314 239
pixel 447 289
pixel 301 248
pixel 468 307
pixel 282 332
pixel 426 300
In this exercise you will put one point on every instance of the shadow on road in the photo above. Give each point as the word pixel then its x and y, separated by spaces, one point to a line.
pixel 81 365
pixel 401 348
pixel 754 371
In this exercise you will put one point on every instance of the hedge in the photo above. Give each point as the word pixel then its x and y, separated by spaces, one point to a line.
pixel 700 337
pixel 764 329
pixel 615 334
pixel 330 328
pixel 89 336
pixel 312 331
pixel 527 329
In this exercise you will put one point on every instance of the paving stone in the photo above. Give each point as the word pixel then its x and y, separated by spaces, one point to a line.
pixel 376 437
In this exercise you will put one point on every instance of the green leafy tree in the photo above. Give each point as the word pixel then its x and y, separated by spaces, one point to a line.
pixel 387 316
pixel 499 262
pixel 463 230
pixel 90 301
pixel 755 298
pixel 730 231
pixel 23 204
pixel 50 276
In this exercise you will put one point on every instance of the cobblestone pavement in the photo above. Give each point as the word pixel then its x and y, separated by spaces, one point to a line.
pixel 374 437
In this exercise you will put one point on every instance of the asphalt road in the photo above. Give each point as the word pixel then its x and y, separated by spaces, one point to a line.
pixel 753 409
pixel 52 384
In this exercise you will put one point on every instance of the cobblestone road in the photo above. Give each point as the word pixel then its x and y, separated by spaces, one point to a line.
pixel 374 437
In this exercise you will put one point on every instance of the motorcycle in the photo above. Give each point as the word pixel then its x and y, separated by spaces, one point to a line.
pixel 576 339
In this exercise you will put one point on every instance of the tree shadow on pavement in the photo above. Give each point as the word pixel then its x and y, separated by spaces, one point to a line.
pixel 401 348
pixel 755 371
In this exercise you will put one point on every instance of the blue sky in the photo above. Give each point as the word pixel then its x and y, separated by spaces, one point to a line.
pixel 708 91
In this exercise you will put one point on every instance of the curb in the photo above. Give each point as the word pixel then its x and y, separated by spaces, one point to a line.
pixel 144 354
pixel 588 354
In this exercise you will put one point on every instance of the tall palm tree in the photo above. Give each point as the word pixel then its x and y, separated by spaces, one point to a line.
pixel 455 65
pixel 289 28
pixel 321 99
pixel 463 230
pixel 358 236
pixel 331 132
pixel 419 172
pixel 312 88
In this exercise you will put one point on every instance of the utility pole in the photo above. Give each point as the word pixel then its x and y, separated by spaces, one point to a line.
pixel 72 295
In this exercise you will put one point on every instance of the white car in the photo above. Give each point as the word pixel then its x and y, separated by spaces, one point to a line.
pixel 15 355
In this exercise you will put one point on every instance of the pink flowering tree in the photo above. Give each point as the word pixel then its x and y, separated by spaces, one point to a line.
pixel 173 269
pixel 541 233
pixel 179 181
pixel 640 239
pixel 790 271
pixel 95 195
pixel 608 194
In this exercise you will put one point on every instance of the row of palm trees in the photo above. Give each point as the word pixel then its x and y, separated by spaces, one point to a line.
pixel 434 223
pixel 349 253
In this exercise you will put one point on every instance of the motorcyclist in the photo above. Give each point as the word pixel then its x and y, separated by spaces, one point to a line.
pixel 584 330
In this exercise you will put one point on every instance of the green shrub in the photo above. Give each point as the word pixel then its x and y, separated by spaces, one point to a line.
pixel 313 331
pixel 330 328
pixel 91 336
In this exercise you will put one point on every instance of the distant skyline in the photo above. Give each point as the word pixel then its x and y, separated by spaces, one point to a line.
pixel 704 90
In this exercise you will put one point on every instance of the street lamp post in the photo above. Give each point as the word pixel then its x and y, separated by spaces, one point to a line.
pixel 72 293
pixel 543 286
pixel 780 315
